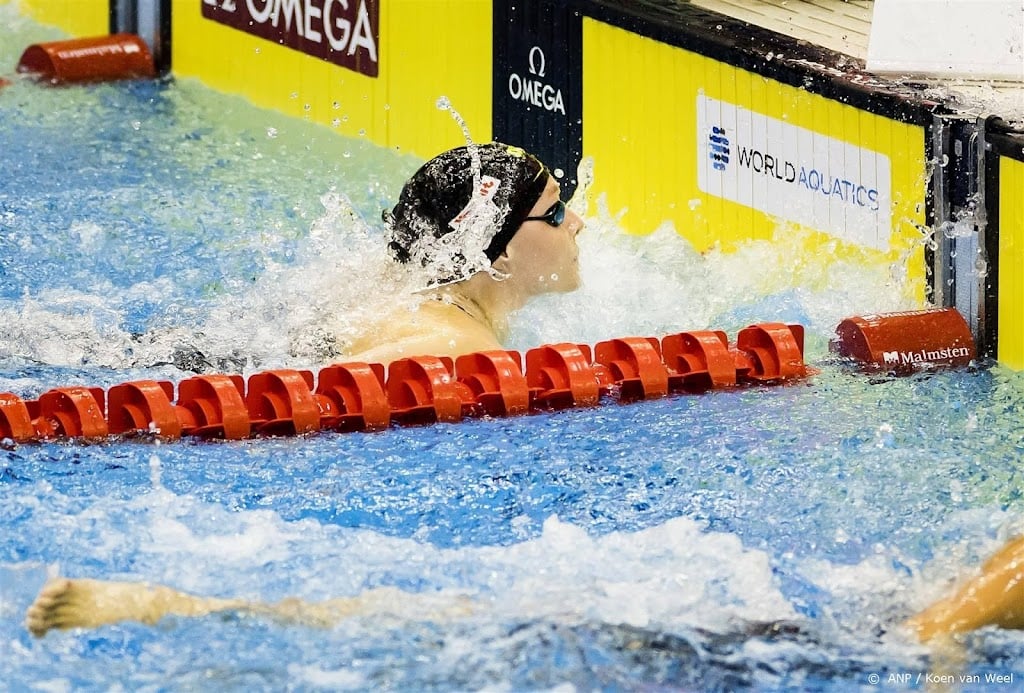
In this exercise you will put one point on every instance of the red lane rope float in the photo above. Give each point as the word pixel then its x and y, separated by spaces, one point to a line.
pixel 143 405
pixel 282 403
pixel 776 350
pixel 351 397
pixel 562 376
pixel 635 365
pixel 496 381
pixel 15 419
pixel 423 390
pixel 699 360
pixel 72 412
pixel 91 59
pixel 212 406
pixel 414 391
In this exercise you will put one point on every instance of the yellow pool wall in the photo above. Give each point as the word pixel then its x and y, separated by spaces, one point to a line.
pixel 427 50
pixel 75 17
pixel 1011 263
pixel 640 132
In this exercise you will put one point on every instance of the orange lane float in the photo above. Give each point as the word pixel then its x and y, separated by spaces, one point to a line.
pixel 416 391
pixel 906 341
pixel 91 59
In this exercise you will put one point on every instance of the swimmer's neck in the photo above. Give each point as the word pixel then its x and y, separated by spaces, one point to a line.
pixel 485 299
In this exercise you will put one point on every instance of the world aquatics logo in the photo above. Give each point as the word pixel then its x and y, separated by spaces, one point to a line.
pixel 718 148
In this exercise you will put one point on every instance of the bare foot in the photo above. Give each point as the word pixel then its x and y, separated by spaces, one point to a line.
pixel 71 603
pixel 61 603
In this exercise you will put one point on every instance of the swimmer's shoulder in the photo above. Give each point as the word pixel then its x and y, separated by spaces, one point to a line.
pixel 433 328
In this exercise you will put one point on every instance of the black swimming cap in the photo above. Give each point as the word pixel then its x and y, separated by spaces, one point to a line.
pixel 462 206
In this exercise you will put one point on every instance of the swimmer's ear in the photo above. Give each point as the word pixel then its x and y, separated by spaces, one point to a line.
pixel 502 263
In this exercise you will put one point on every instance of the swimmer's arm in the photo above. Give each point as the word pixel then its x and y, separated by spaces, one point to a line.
pixel 65 603
pixel 995 597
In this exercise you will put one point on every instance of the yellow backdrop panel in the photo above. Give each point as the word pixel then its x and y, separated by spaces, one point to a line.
pixel 427 50
pixel 76 17
pixel 1011 263
pixel 640 125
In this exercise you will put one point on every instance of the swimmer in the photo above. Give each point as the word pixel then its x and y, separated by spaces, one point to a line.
pixel 995 597
pixel 487 228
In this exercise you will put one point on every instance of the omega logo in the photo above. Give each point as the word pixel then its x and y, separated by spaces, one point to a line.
pixel 533 90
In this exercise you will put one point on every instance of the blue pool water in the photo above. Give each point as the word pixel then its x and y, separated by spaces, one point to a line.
pixel 632 547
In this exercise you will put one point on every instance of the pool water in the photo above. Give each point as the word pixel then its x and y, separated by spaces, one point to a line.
pixel 150 228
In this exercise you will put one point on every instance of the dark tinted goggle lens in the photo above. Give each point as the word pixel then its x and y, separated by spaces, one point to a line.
pixel 554 216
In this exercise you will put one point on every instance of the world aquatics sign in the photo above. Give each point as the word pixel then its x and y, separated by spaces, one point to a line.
pixel 343 32
pixel 794 174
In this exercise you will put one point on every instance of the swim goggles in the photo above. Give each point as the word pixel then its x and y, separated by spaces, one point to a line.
pixel 554 216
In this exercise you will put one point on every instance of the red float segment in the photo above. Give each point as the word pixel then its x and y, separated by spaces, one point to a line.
pixel 907 340
pixel 699 360
pixel 352 397
pixel 211 406
pixel 776 351
pixel 281 402
pixel 72 412
pixel 635 365
pixel 15 420
pixel 144 405
pixel 495 381
pixel 423 389
pixel 92 59
pixel 561 376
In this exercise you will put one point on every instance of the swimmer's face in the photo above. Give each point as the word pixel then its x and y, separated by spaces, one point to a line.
pixel 543 256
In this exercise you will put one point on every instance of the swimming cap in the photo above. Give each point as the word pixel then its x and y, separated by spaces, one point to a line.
pixel 459 211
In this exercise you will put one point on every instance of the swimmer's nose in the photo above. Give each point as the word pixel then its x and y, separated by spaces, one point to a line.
pixel 575 223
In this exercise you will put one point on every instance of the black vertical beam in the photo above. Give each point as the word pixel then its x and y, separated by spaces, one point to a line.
pixel 1002 140
pixel 936 144
pixel 162 52
pixel 124 16
pixel 128 16
pixel 538 82
pixel 989 337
